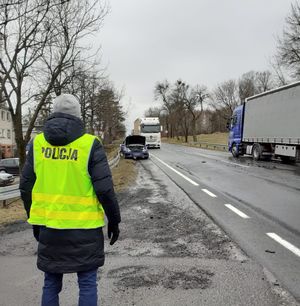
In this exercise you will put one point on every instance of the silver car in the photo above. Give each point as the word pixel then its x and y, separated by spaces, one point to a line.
pixel 6 179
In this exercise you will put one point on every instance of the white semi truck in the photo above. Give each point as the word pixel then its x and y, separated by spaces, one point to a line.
pixel 150 128
pixel 268 124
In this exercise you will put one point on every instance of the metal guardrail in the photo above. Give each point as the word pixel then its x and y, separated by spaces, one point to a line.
pixel 9 192
pixel 207 145
pixel 114 161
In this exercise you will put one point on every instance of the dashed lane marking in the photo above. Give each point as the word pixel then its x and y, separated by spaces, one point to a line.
pixel 285 243
pixel 237 211
pixel 209 193
pixel 179 173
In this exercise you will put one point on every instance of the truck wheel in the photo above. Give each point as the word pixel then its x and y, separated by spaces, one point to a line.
pixel 256 151
pixel 234 151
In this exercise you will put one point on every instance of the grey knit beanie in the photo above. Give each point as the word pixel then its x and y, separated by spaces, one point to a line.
pixel 67 104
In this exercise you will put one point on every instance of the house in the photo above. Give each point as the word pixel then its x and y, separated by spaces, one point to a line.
pixel 7 137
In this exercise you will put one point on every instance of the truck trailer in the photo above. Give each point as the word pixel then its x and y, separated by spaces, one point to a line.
pixel 268 124
pixel 150 128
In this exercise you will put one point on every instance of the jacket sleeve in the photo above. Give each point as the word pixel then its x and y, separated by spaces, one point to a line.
pixel 102 182
pixel 27 180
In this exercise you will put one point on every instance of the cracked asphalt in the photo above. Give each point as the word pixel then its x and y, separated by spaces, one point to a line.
pixel 169 253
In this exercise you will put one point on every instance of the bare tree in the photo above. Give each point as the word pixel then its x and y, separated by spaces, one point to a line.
pixel 247 86
pixel 153 112
pixel 162 91
pixel 289 45
pixel 184 105
pixel 264 81
pixel 280 73
pixel 254 82
pixel 226 97
pixel 194 99
pixel 40 42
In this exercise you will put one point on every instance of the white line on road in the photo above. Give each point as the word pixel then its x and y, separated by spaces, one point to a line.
pixel 237 211
pixel 182 175
pixel 209 193
pixel 285 243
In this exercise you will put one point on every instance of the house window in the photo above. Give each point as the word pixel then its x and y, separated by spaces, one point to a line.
pixel 3 133
pixel 8 134
pixel 8 116
pixel 3 115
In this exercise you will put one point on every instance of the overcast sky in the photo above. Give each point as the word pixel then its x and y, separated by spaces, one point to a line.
pixel 200 41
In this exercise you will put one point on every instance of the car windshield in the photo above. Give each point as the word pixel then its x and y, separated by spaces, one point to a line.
pixel 150 128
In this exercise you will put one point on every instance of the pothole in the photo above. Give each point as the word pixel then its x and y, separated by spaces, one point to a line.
pixel 141 276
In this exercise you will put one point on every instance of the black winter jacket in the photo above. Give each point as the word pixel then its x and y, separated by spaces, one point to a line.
pixel 73 250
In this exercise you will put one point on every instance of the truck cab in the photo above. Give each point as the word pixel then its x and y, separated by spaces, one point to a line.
pixel 150 128
pixel 235 131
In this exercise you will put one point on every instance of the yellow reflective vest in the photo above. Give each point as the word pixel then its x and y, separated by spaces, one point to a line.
pixel 63 196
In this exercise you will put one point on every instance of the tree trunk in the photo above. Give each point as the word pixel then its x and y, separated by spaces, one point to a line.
pixel 194 129
pixel 21 144
pixel 186 135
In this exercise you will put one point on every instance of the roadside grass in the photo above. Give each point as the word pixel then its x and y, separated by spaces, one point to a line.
pixel 215 138
pixel 123 175
pixel 13 212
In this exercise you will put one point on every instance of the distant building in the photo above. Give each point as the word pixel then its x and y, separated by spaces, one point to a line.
pixel 136 127
pixel 7 137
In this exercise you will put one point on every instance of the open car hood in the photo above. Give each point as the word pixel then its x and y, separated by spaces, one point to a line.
pixel 135 140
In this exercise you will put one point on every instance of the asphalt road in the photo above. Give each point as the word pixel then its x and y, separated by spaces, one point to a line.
pixel 256 203
pixel 168 253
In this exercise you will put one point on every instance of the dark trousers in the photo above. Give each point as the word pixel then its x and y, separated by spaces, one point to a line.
pixel 87 282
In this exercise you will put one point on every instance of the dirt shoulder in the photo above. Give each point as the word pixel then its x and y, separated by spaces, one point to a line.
pixel 123 175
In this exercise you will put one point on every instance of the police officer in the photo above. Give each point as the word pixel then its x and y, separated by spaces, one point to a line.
pixel 67 190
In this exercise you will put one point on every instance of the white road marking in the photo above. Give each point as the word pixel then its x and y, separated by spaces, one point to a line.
pixel 285 243
pixel 209 193
pixel 237 211
pixel 179 173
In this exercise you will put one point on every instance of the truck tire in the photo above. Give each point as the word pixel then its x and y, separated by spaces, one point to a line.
pixel 234 150
pixel 256 151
